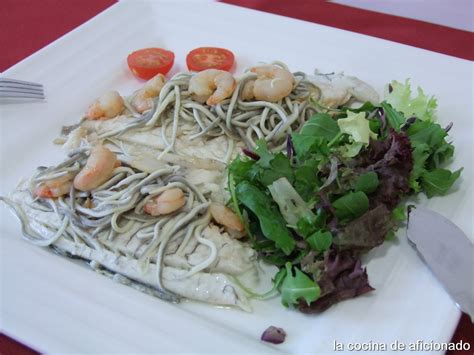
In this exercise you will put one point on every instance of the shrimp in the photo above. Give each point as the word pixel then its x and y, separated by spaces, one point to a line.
pixel 143 99
pixel 225 217
pixel 338 89
pixel 98 169
pixel 169 201
pixel 107 106
pixel 55 187
pixel 212 86
pixel 272 84
pixel 247 91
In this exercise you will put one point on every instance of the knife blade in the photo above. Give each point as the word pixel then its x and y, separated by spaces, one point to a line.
pixel 447 251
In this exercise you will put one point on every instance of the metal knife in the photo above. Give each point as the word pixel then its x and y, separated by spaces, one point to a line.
pixel 447 251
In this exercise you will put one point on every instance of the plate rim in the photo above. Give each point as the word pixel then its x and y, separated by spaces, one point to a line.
pixel 25 61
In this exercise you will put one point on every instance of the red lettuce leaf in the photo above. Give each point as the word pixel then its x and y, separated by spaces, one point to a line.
pixel 341 278
pixel 365 232
pixel 392 160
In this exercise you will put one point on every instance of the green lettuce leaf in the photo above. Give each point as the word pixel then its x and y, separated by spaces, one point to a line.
pixel 351 205
pixel 298 286
pixel 421 106
pixel 272 224
pixel 438 181
pixel 399 213
pixel 265 170
pixel 430 151
pixel 307 226
pixel 240 168
pixel 420 155
pixel 306 181
pixel 434 137
pixel 264 154
pixel 314 135
pixel 367 182
pixel 321 125
pixel 442 154
pixel 306 145
pixel 428 133
pixel 279 167
pixel 395 119
pixel 320 241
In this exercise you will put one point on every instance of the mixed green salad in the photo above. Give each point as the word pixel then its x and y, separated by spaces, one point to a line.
pixel 339 191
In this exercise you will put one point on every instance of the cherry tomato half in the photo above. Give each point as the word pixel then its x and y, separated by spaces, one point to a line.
pixel 146 63
pixel 209 57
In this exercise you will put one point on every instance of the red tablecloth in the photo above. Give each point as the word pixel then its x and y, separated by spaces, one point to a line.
pixel 28 25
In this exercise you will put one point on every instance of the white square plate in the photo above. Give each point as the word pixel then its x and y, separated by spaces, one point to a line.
pixel 57 306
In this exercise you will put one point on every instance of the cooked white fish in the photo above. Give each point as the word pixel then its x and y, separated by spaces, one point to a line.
pixel 339 89
pixel 141 194
pixel 123 253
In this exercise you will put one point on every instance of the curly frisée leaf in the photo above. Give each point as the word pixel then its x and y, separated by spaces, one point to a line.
pixel 298 286
pixel 430 150
pixel 421 106
pixel 357 127
pixel 351 150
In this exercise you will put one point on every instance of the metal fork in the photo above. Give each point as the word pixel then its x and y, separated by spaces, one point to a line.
pixel 19 89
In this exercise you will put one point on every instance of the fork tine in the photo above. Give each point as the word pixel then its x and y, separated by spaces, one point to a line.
pixel 11 86
pixel 21 89
pixel 18 82
pixel 12 95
